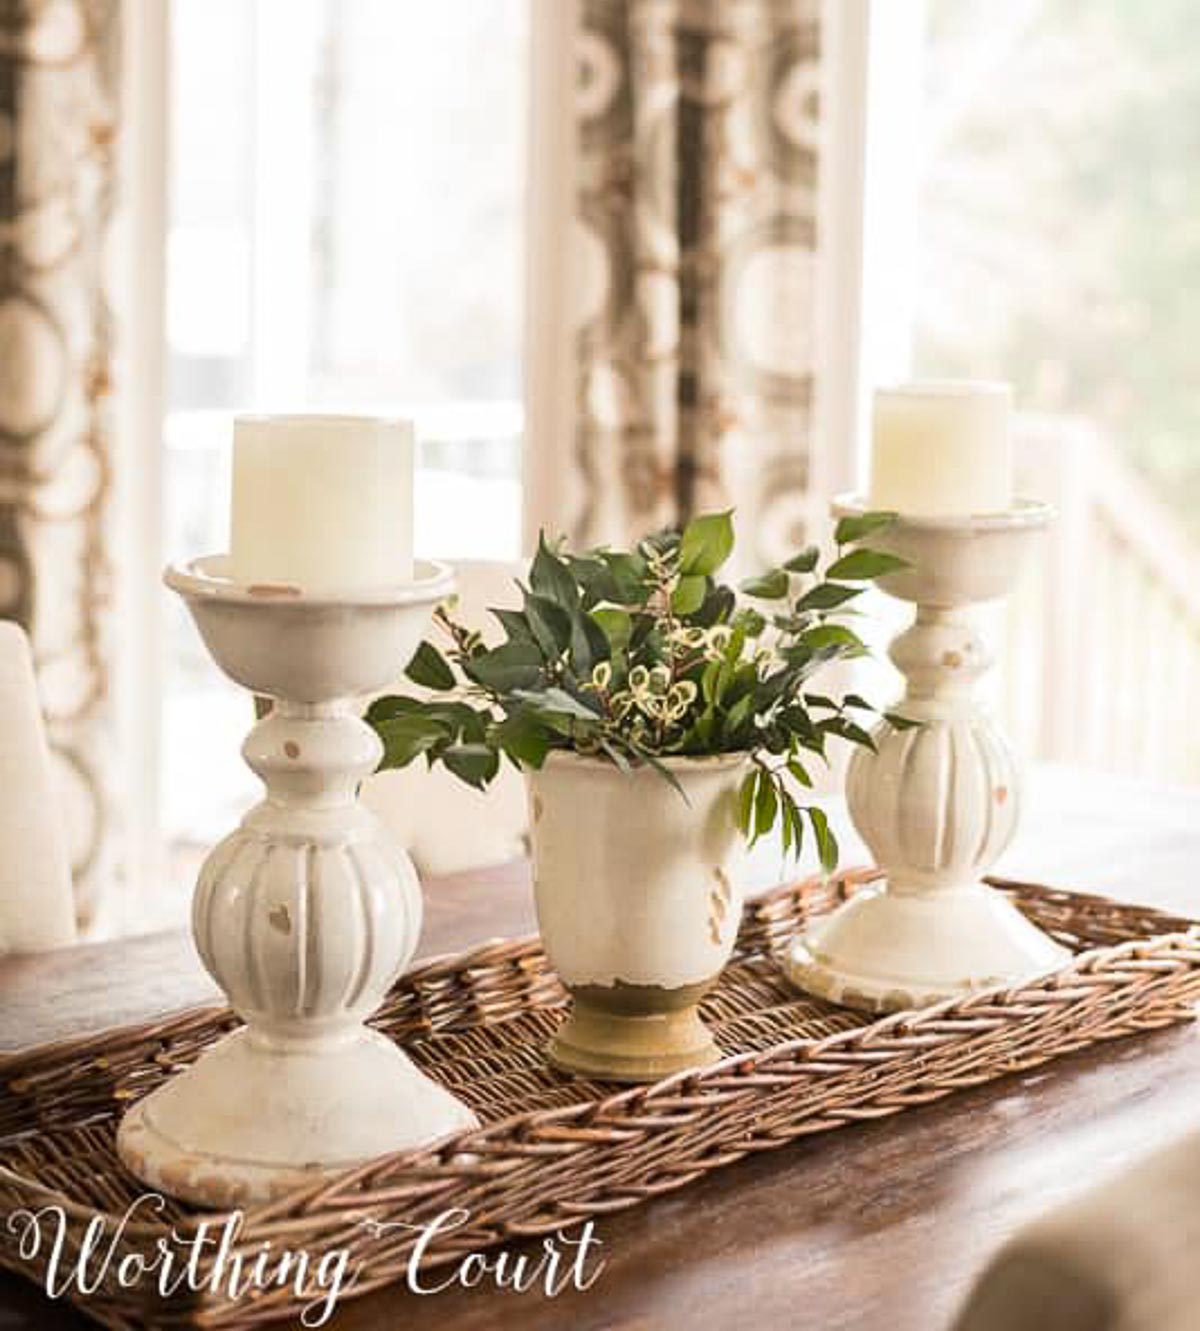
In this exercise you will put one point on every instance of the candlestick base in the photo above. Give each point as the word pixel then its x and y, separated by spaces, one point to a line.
pixel 885 951
pixel 252 1121
pixel 937 801
pixel 304 915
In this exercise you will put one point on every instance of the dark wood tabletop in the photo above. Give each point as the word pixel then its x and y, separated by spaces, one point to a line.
pixel 879 1227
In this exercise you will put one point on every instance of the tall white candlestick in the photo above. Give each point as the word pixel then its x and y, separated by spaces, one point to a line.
pixel 942 448
pixel 323 503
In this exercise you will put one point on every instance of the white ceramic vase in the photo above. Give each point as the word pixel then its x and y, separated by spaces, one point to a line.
pixel 638 903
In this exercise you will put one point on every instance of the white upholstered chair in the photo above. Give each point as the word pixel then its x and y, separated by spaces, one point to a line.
pixel 1120 1258
pixel 37 909
pixel 443 824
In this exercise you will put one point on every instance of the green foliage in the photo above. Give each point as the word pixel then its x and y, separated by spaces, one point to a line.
pixel 642 655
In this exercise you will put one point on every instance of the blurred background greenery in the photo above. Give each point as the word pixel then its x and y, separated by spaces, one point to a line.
pixel 1059 217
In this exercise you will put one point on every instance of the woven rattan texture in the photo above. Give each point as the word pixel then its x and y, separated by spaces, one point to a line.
pixel 555 1149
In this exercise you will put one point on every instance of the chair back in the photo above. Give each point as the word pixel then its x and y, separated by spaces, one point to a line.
pixel 443 824
pixel 37 905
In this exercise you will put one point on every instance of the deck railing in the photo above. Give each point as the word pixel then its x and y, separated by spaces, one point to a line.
pixel 1101 660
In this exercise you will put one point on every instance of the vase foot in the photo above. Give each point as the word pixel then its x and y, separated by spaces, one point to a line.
pixel 248 1123
pixel 597 1042
pixel 886 952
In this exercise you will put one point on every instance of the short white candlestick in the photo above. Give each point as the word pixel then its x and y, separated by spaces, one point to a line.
pixel 938 803
pixel 304 915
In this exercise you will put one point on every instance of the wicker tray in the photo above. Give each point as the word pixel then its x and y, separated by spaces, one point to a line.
pixel 554 1150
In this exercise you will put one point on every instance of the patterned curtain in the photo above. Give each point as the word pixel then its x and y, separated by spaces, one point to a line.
pixel 695 261
pixel 58 108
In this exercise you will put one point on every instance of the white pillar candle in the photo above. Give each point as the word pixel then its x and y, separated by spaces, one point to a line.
pixel 942 448
pixel 322 502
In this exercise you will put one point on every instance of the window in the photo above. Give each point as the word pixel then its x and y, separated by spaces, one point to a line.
pixel 1030 217
pixel 346 195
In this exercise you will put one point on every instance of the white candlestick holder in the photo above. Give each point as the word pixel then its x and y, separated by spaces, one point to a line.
pixel 304 915
pixel 937 803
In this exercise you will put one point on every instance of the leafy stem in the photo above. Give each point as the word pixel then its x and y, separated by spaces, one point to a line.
pixel 641 655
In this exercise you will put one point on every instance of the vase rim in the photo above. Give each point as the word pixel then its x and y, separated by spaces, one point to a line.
pixel 675 762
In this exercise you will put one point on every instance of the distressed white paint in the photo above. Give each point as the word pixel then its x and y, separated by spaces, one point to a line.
pixel 936 805
pixel 305 915
pixel 628 873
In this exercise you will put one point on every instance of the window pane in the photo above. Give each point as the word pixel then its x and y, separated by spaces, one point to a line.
pixel 1056 174
pixel 1058 241
pixel 347 184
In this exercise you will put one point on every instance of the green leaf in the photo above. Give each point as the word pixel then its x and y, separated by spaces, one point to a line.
pixel 749 621
pixel 827 637
pixel 593 575
pixel 797 828
pixel 738 715
pixel 588 644
pixel 718 605
pixel 856 527
pixel 688 595
pixel 769 587
pixel 765 804
pixel 865 565
pixel 515 625
pixel 511 666
pixel 551 624
pixel 827 847
pixel 898 722
pixel 558 700
pixel 475 764
pixel 393 705
pixel 616 625
pixel 706 544
pixel 429 669
pixel 805 561
pixel 746 801
pixel 796 768
pixel 848 730
pixel 827 596
pixel 629 576
pixel 550 577
pixel 523 739
pixel 407 737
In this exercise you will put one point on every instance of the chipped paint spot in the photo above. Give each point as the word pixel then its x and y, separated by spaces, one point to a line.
pixel 723 884
pixel 292 749
pixel 953 660
pixel 1001 794
pixel 280 920
pixel 538 809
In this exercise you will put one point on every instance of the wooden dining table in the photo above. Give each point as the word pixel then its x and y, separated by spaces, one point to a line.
pixel 882 1226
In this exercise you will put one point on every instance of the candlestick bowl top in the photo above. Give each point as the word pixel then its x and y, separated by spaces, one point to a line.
pixel 954 560
pixel 282 641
